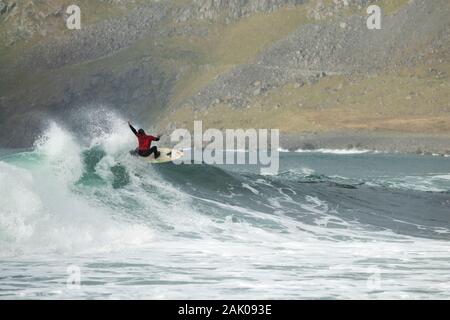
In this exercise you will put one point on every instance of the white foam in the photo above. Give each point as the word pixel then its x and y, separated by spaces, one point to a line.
pixel 442 177
pixel 253 190
pixel 335 151
pixel 61 152
pixel 431 183
pixel 18 203
pixel 115 137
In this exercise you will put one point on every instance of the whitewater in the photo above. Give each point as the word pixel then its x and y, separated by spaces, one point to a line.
pixel 354 225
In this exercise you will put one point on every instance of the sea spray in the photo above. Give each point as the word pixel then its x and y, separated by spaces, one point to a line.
pixel 42 211
pixel 18 204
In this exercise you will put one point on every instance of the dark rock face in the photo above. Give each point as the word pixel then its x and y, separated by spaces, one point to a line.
pixel 138 86
pixel 6 7
pixel 3 7
pixel 142 83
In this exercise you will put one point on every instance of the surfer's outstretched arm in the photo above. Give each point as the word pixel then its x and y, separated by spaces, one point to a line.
pixel 132 128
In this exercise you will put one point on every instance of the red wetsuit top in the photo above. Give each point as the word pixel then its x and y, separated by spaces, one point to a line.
pixel 145 141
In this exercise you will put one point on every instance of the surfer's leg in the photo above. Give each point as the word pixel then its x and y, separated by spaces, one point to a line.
pixel 154 150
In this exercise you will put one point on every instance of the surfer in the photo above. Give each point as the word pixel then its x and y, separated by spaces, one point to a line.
pixel 145 142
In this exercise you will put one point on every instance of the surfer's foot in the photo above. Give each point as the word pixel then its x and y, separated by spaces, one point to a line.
pixel 157 154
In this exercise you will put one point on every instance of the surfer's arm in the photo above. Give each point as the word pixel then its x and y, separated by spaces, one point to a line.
pixel 133 129
pixel 155 138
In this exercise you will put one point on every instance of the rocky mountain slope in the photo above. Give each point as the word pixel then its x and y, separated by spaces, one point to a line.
pixel 301 66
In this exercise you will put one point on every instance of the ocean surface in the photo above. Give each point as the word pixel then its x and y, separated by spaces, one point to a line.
pixel 81 218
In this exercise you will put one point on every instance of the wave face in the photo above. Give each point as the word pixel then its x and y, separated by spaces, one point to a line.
pixel 359 225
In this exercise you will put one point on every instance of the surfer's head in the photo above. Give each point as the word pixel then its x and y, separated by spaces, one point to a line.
pixel 141 131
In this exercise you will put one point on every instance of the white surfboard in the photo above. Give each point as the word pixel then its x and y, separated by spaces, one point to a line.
pixel 167 155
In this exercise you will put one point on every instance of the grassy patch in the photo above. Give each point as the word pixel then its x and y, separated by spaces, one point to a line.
pixel 240 42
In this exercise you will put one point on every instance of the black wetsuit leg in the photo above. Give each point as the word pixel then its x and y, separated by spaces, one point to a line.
pixel 147 153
